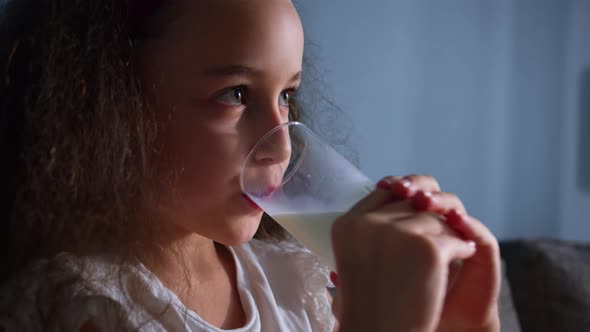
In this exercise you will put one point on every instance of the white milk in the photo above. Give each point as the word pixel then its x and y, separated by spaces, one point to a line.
pixel 313 231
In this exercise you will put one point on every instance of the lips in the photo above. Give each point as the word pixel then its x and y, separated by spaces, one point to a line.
pixel 266 192
pixel 263 187
pixel 262 182
pixel 251 202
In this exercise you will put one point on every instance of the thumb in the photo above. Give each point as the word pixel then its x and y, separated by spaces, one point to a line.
pixel 456 249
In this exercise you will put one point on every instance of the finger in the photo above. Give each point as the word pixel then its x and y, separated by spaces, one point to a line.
pixel 423 182
pixel 388 181
pixel 484 268
pixel 420 222
pixel 471 228
pixel 374 200
pixel 405 187
pixel 439 202
pixel 454 249
pixel 401 187
pixel 395 210
pixel 426 223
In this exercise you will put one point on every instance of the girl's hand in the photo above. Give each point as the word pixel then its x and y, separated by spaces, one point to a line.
pixel 472 303
pixel 393 252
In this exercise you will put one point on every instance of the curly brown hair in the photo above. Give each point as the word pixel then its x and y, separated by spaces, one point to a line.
pixel 76 131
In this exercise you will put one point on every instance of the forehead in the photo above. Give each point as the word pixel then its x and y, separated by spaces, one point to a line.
pixel 253 31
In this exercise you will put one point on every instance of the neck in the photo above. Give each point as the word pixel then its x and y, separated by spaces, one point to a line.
pixel 180 258
pixel 198 270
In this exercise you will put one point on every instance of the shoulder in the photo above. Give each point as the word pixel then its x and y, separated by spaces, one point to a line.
pixel 62 293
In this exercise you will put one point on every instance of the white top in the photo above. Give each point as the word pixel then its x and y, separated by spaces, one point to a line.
pixel 282 287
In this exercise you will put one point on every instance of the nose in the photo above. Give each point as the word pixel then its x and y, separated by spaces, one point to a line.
pixel 274 147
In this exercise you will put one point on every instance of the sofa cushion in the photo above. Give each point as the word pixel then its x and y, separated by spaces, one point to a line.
pixel 550 283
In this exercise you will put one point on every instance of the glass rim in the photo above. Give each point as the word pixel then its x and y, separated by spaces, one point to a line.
pixel 262 140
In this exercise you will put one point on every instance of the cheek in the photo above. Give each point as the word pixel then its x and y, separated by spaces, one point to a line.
pixel 197 162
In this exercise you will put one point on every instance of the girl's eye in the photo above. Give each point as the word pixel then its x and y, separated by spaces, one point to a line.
pixel 232 96
pixel 285 98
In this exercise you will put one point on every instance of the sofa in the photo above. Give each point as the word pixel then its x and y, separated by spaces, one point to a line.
pixel 546 286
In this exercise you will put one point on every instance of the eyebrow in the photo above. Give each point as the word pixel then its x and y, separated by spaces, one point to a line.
pixel 240 70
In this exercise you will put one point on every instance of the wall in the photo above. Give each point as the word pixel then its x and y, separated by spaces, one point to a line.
pixel 478 93
pixel 575 190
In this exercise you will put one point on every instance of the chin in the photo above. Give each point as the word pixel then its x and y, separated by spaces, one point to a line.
pixel 242 232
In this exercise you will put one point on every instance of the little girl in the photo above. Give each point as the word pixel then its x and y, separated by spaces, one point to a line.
pixel 124 127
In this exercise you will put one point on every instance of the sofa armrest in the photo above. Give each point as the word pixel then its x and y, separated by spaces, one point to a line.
pixel 550 283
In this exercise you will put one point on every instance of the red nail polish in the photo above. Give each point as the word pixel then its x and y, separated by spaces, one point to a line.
pixel 454 219
pixel 334 278
pixel 384 184
pixel 401 189
pixel 422 201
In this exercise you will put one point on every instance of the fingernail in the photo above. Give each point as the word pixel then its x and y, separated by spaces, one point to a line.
pixel 402 188
pixel 384 184
pixel 334 278
pixel 471 244
pixel 454 220
pixel 422 200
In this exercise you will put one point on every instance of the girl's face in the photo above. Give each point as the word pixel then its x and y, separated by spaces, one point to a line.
pixel 219 77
